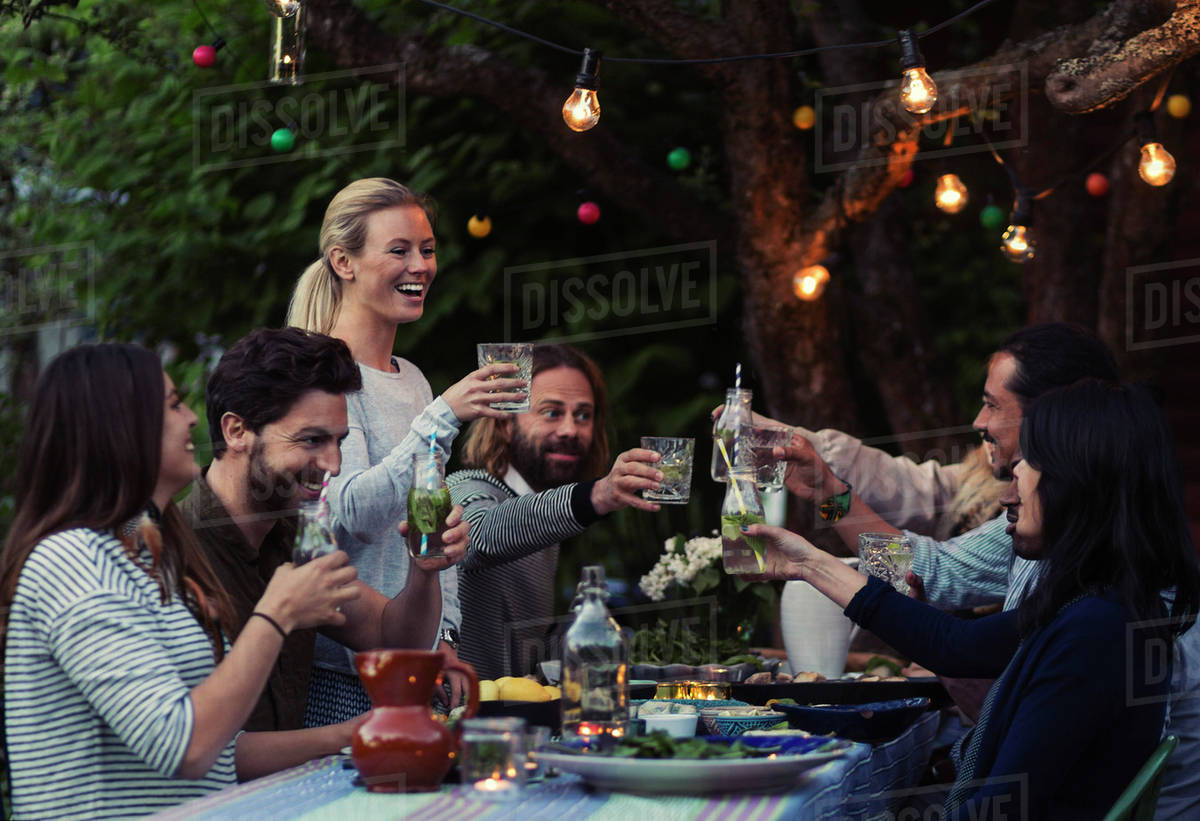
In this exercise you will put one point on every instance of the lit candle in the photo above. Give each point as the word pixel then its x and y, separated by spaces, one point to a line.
pixel 493 785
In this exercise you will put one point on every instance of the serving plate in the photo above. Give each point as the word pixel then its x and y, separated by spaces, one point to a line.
pixel 689 776
pixel 860 722
pixel 844 691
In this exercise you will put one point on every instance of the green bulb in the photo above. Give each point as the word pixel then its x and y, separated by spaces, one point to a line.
pixel 679 159
pixel 991 217
pixel 283 140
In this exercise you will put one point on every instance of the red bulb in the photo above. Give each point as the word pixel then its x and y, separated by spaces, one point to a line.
pixel 204 56
pixel 907 179
pixel 588 213
pixel 1097 184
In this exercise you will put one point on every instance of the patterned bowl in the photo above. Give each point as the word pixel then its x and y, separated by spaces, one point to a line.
pixel 734 722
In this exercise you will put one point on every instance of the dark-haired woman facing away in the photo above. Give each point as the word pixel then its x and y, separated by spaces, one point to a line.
pixel 1080 700
pixel 120 695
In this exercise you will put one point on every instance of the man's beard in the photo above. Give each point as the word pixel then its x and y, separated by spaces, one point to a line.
pixel 530 460
pixel 270 490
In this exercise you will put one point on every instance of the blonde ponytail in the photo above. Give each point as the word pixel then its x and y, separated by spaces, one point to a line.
pixel 315 301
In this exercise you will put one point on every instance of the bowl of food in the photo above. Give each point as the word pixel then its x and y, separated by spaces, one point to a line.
pixel 733 721
pixel 676 725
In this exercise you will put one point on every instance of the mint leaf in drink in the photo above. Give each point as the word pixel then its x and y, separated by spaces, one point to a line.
pixel 428 509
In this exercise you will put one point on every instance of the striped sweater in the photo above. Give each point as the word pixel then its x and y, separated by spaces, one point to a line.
pixel 506 583
pixel 97 678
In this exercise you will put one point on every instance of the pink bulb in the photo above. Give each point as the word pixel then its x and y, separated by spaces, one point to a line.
pixel 588 213
pixel 204 56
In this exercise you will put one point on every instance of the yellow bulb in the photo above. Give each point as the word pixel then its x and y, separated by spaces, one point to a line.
pixel 1157 166
pixel 809 283
pixel 1017 244
pixel 581 111
pixel 918 91
pixel 951 194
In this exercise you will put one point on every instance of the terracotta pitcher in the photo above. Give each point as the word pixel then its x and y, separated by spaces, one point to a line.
pixel 401 747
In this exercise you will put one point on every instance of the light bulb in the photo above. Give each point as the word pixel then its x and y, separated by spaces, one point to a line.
pixel 581 111
pixel 287 49
pixel 1157 166
pixel 1017 244
pixel 282 8
pixel 918 91
pixel 809 283
pixel 951 194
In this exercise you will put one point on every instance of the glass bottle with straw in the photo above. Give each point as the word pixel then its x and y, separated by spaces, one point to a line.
pixel 741 553
pixel 734 415
pixel 428 503
pixel 315 536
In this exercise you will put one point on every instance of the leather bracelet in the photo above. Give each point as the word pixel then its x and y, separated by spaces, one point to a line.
pixel 837 505
pixel 270 621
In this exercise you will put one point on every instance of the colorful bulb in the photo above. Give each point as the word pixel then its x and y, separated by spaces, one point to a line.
pixel 951 194
pixel 1157 166
pixel 1017 244
pixel 809 283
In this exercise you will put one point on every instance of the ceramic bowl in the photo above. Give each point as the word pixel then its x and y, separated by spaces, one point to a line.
pixel 733 721
pixel 676 725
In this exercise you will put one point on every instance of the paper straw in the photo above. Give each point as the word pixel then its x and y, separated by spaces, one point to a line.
pixel 323 503
pixel 737 492
pixel 737 377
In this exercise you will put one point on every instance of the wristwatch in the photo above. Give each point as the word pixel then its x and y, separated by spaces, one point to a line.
pixel 450 636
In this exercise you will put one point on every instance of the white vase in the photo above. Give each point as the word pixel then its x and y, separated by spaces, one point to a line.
pixel 815 633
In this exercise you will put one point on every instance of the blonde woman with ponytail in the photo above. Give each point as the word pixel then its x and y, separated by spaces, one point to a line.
pixel 376 266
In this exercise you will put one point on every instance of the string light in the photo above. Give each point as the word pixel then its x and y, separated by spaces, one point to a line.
pixel 918 91
pixel 282 8
pixel 809 283
pixel 950 194
pixel 287 49
pixel 1157 166
pixel 1017 243
pixel 581 111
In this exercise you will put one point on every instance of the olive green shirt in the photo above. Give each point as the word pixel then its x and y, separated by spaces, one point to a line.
pixel 244 572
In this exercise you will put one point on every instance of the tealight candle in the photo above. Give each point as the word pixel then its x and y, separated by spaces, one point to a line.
pixel 493 759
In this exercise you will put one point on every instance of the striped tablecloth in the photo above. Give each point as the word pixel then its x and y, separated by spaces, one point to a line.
pixel 860 785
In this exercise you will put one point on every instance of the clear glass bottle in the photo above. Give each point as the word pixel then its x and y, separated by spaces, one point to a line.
pixel 593 576
pixel 595 670
pixel 741 553
pixel 315 536
pixel 735 414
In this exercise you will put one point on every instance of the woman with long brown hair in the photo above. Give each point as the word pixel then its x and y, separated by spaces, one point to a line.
pixel 121 696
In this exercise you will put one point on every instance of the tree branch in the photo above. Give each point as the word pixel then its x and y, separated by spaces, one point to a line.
pixel 684 35
pixel 1118 64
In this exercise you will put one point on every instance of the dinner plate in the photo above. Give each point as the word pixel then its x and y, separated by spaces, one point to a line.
pixel 672 776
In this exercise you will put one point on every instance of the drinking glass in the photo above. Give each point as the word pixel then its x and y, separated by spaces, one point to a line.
pixel 509 353
pixel 676 465
pixel 493 756
pixel 755 449
pixel 428 506
pixel 888 556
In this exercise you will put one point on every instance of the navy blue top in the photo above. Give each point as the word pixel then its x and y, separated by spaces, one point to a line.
pixel 1076 716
